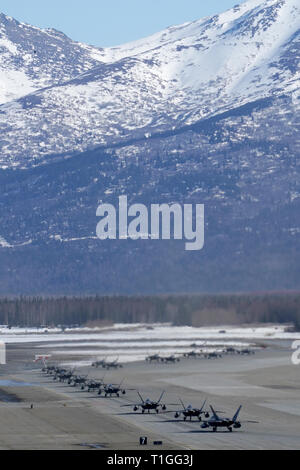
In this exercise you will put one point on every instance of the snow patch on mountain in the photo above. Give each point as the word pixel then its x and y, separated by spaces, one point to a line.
pixel 5 244
pixel 14 84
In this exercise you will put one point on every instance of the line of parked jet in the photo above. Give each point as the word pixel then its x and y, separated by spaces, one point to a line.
pixel 212 419
pixel 205 354
pixel 62 374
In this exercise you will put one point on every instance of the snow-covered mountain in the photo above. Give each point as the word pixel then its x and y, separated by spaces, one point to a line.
pixel 92 97
pixel 32 58
pixel 206 112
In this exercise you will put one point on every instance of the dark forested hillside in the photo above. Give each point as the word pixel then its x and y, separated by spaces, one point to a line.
pixel 203 113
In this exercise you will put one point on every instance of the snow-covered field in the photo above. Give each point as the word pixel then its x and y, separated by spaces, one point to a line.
pixel 132 342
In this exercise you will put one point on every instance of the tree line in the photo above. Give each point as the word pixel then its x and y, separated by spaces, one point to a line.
pixel 194 310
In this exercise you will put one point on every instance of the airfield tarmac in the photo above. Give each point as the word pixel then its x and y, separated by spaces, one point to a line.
pixel 267 384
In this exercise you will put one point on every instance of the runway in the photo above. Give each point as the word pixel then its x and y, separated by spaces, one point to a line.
pixel 266 384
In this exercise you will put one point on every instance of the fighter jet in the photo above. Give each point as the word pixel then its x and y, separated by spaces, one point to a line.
pixel 77 380
pixel 112 365
pixel 99 363
pixel 92 385
pixel 246 351
pixel 212 355
pixel 153 357
pixel 148 405
pixel 230 350
pixel 190 412
pixel 216 422
pixel 49 370
pixel 113 389
pixel 190 354
pixel 63 376
pixel 170 359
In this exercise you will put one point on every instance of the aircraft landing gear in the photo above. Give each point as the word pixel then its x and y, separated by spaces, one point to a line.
pixel 230 429
pixel 214 429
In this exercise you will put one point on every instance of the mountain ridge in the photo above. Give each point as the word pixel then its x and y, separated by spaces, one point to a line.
pixel 126 128
pixel 147 91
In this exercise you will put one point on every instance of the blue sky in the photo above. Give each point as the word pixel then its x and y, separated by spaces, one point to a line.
pixel 111 22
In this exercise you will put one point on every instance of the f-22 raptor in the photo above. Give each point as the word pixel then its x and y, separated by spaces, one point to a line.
pixel 216 422
pixel 191 412
pixel 148 405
